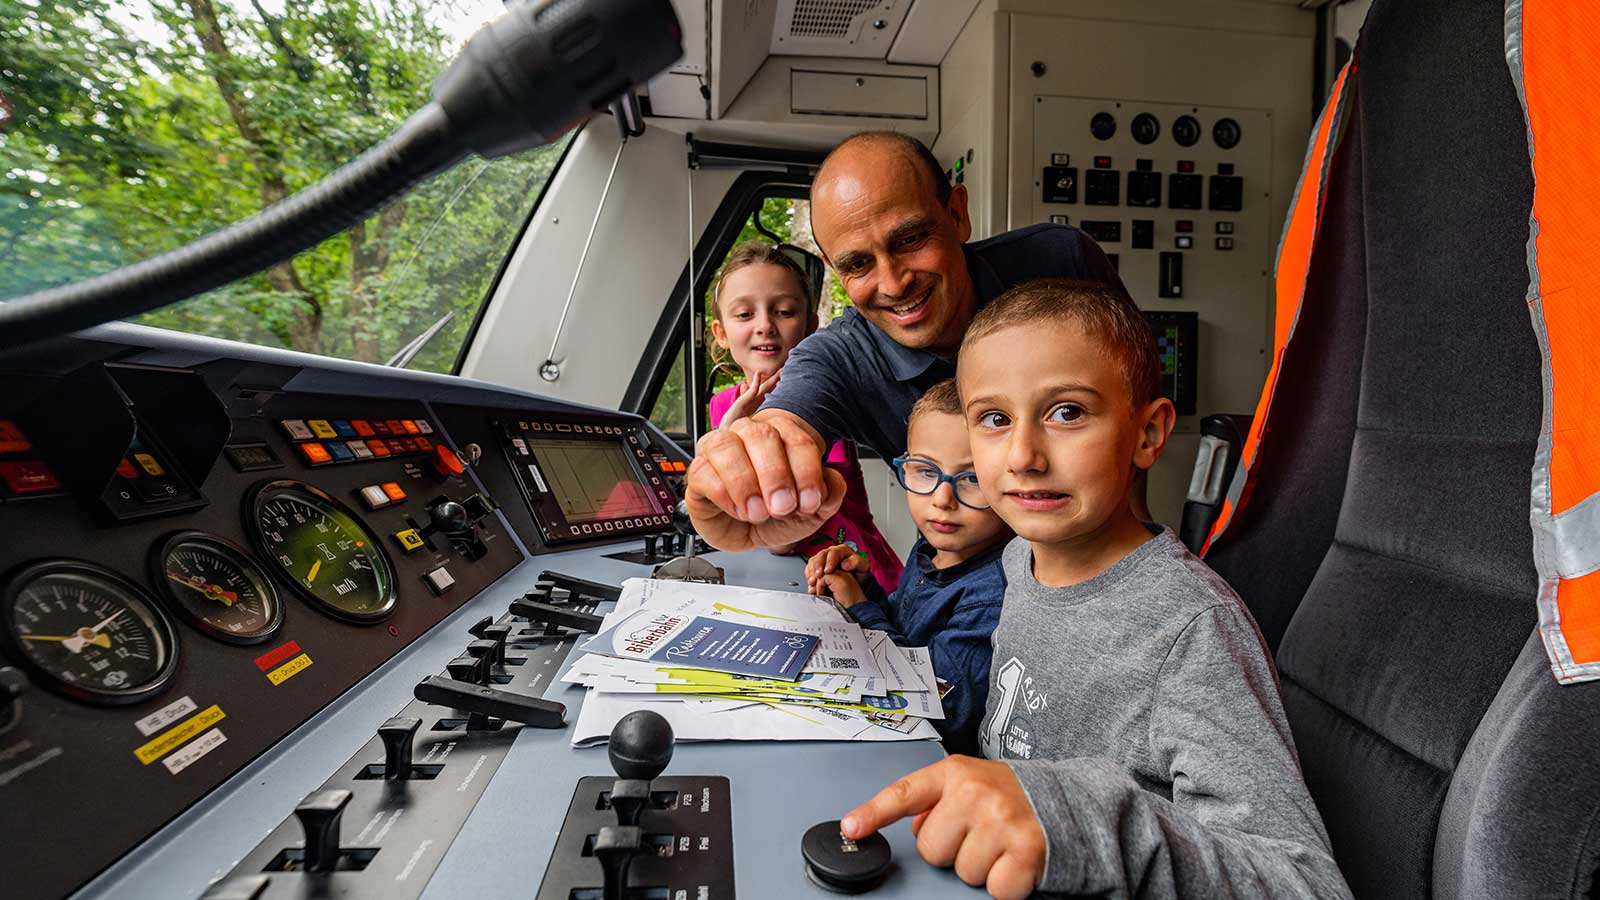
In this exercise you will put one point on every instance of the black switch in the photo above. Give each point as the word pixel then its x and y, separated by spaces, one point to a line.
pixel 319 818
pixel 593 589
pixel 1102 187
pixel 485 652
pixel 488 701
pixel 1144 234
pixel 397 735
pixel 556 615
pixel 1144 189
pixel 1183 191
pixel 1169 281
pixel 629 797
pixel 650 546
pixel 465 668
pixel 616 846
pixel 1103 232
pixel 499 633
pixel 1060 184
pixel 1227 192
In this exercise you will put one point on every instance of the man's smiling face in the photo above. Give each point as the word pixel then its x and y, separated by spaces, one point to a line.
pixel 895 247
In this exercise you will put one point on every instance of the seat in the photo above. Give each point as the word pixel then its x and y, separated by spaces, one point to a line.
pixel 1386 549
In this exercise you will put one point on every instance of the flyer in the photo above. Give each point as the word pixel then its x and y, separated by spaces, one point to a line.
pixel 721 645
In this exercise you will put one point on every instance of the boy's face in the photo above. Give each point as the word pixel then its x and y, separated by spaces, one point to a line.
pixel 941 439
pixel 1054 435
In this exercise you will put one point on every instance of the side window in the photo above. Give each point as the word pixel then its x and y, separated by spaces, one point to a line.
pixel 777 219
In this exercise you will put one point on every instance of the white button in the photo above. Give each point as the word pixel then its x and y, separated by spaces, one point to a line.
pixel 440 580
pixel 359 448
pixel 374 497
pixel 298 429
pixel 423 426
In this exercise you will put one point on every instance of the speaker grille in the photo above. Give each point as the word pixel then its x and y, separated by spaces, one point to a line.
pixel 826 18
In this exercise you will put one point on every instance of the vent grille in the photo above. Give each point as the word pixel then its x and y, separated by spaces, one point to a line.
pixel 826 18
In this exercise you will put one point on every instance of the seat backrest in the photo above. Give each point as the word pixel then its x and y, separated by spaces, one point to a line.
pixel 1386 550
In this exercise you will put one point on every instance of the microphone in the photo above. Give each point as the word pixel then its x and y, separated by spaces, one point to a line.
pixel 527 77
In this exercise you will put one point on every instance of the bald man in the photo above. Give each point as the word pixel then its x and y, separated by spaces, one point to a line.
pixel 895 231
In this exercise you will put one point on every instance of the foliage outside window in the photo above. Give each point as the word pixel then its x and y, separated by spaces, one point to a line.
pixel 790 220
pixel 131 128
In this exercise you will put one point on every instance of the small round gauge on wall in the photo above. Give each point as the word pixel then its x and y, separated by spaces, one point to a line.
pixel 86 632
pixel 216 586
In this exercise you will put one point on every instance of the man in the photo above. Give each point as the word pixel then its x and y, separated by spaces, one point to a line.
pixel 894 230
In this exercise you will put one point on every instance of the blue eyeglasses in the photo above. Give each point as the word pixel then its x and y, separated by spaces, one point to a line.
pixel 920 476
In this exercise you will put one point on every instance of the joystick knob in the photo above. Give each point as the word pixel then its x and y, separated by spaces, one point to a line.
pixel 449 516
pixel 836 863
pixel 640 745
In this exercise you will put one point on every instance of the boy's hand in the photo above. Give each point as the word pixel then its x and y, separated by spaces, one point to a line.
pixel 845 589
pixel 838 558
pixel 751 393
pixel 970 813
pixel 760 482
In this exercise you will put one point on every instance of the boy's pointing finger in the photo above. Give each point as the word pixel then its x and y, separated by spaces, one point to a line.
pixel 910 796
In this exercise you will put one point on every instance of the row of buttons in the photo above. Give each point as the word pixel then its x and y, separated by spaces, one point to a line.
pixel 564 428
pixel 620 525
pixel 23 476
pixel 377 496
pixel 319 453
pixel 313 429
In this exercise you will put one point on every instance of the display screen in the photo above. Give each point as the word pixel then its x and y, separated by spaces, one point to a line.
pixel 593 480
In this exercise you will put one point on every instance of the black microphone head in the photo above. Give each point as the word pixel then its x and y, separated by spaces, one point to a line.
pixel 641 745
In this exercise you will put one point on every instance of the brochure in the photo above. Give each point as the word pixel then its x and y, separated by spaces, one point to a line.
pixel 721 645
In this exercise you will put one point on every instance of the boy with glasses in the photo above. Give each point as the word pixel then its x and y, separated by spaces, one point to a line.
pixel 949 594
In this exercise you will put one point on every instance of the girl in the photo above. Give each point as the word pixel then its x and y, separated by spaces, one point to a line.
pixel 761 307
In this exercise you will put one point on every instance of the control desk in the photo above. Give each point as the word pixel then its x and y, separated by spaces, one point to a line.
pixel 257 639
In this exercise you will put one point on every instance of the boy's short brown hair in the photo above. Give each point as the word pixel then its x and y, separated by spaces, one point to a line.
pixel 941 398
pixel 1105 313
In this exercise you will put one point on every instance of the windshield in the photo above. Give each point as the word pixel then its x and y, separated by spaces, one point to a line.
pixel 131 128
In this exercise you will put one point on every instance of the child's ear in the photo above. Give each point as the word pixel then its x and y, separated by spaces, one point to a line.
pixel 1156 422
pixel 719 333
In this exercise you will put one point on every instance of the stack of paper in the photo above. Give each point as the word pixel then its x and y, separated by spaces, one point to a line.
pixel 732 663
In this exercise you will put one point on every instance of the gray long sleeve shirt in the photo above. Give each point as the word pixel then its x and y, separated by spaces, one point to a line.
pixel 1140 711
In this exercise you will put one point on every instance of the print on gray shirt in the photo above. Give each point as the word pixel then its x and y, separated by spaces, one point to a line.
pixel 1140 712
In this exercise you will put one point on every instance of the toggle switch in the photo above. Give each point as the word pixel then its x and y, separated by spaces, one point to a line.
pixel 397 735
pixel 616 846
pixel 465 668
pixel 487 701
pixel 319 816
pixel 556 615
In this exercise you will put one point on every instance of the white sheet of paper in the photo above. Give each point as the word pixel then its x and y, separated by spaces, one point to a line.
pixel 756 722
pixel 897 670
pixel 922 661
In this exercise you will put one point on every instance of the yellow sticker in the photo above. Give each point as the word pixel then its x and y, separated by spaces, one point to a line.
pixel 289 669
pixel 178 734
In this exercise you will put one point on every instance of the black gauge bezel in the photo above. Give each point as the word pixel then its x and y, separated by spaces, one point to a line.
pixel 1220 132
pixel 1145 120
pixel 252 513
pixel 158 620
pixel 1186 125
pixel 253 570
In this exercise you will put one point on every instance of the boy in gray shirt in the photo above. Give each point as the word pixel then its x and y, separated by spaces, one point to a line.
pixel 1136 742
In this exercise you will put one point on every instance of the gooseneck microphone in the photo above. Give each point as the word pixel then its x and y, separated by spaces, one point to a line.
pixel 524 79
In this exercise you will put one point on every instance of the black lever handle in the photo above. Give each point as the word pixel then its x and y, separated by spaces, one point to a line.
pixel 319 816
pixel 556 615
pixel 616 846
pixel 397 735
pixel 582 585
pixel 476 698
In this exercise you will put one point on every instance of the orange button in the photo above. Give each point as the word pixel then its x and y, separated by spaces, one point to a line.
pixel 410 426
pixel 394 491
pixel 362 427
pixel 12 440
pixel 446 461
pixel 424 444
pixel 315 453
pixel 377 447
pixel 394 426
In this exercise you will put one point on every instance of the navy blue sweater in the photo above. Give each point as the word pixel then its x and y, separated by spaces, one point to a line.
pixel 952 612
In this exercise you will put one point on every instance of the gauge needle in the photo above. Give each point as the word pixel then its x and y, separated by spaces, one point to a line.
pixel 315 566
pixel 211 591
pixel 100 640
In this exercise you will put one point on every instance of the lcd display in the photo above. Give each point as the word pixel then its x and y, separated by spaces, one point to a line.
pixel 593 480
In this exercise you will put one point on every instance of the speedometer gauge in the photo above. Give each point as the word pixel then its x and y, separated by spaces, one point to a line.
pixel 215 586
pixel 322 550
pixel 87 632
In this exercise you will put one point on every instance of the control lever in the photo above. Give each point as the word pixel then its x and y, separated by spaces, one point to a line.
pixel 487 701
pixel 640 749
pixel 578 585
pixel 466 669
pixel 397 735
pixel 455 521
pixel 687 567
pixel 13 684
pixel 319 816
pixel 550 614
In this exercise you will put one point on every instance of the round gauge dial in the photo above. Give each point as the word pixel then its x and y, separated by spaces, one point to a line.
pixel 87 632
pixel 319 546
pixel 214 585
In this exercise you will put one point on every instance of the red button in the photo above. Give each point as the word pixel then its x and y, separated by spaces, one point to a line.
pixel 395 492
pixel 362 427
pixel 424 445
pixel 410 444
pixel 394 426
pixel 12 440
pixel 379 426
pixel 395 446
pixel 126 470
pixel 377 447
pixel 28 477
pixel 446 461
pixel 315 453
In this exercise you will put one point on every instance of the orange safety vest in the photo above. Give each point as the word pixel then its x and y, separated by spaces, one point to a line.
pixel 1553 50
pixel 1294 259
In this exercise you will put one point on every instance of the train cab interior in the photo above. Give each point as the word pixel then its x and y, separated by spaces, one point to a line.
pixel 258 322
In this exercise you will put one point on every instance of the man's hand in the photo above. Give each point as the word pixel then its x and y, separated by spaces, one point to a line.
pixel 751 394
pixel 760 482
pixel 835 559
pixel 970 813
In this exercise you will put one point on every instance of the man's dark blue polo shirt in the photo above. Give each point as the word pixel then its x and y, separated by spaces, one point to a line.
pixel 850 380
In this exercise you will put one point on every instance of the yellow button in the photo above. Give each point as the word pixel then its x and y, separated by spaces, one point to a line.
pixel 409 540
pixel 149 464
pixel 322 429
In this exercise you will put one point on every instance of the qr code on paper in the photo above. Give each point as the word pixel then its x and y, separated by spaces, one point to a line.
pixel 843 662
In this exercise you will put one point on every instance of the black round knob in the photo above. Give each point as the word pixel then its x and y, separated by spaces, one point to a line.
pixel 1226 133
pixel 1103 126
pixel 1146 128
pixel 838 864
pixel 680 518
pixel 450 516
pixel 641 745
pixel 1186 130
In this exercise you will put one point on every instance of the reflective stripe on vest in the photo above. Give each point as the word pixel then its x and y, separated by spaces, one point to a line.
pixel 1553 51
pixel 1294 260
